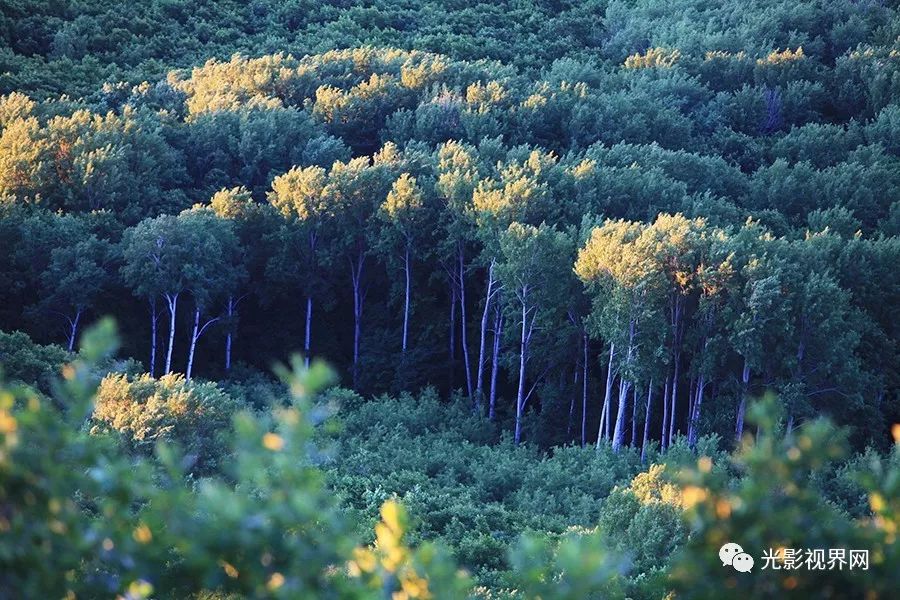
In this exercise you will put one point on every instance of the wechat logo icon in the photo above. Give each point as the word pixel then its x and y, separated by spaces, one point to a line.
pixel 733 555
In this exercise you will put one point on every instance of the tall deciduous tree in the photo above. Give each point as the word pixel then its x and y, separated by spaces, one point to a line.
pixel 213 271
pixel 403 215
pixel 534 265
pixel 300 196
pixel 155 253
pixel 353 188
pixel 74 278
pixel 251 225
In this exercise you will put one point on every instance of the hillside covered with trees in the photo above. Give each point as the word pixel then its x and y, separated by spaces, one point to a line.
pixel 553 251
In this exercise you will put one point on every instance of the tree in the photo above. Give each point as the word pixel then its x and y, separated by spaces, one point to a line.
pixel 675 244
pixel 403 213
pixel 251 223
pixel 299 195
pixel 352 189
pixel 533 267
pixel 214 270
pixel 627 290
pixel 74 278
pixel 458 174
pixel 154 254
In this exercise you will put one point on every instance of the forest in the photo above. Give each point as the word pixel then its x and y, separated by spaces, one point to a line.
pixel 388 299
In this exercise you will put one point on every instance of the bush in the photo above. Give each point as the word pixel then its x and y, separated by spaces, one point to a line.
pixel 143 411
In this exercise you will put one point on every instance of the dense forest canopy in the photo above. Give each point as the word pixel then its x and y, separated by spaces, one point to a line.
pixel 605 223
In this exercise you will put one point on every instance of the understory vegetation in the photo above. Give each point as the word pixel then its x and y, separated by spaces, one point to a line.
pixel 601 285
pixel 185 489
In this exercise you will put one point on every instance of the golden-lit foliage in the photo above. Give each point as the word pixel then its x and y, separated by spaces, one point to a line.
pixel 653 57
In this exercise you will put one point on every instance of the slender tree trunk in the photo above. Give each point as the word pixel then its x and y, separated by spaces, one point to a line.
pixel 692 394
pixel 676 360
pixel 314 263
pixel 619 431
pixel 196 332
pixel 498 331
pixel 584 389
pixel 356 272
pixel 605 412
pixel 520 394
pixel 634 404
pixel 73 329
pixel 154 320
pixel 647 422
pixel 695 416
pixel 172 302
pixel 307 336
pixel 663 438
pixel 230 333
pixel 484 323
pixel 674 394
pixel 194 336
pixel 742 407
pixel 624 387
pixel 463 338
pixel 406 271
pixel 603 433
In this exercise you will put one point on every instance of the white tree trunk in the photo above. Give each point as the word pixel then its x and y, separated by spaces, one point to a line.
pixel 356 271
pixel 695 414
pixel 624 387
pixel 307 336
pixel 619 431
pixel 484 323
pixel 172 302
pixel 634 403
pixel 498 332
pixel 520 393
pixel 663 438
pixel 228 335
pixel 196 332
pixel 674 394
pixel 73 329
pixel 154 319
pixel 608 390
pixel 194 336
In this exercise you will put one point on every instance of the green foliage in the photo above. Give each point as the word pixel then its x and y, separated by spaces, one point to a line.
pixel 100 522
pixel 144 411
pixel 608 211
pixel 27 362
pixel 775 505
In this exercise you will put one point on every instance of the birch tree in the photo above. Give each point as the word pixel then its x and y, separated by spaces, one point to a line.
pixel 403 215
pixel 458 174
pixel 625 286
pixel 353 188
pixel 212 273
pixel 155 253
pixel 299 195
pixel 74 278
pixel 533 268
pixel 250 223
pixel 519 193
